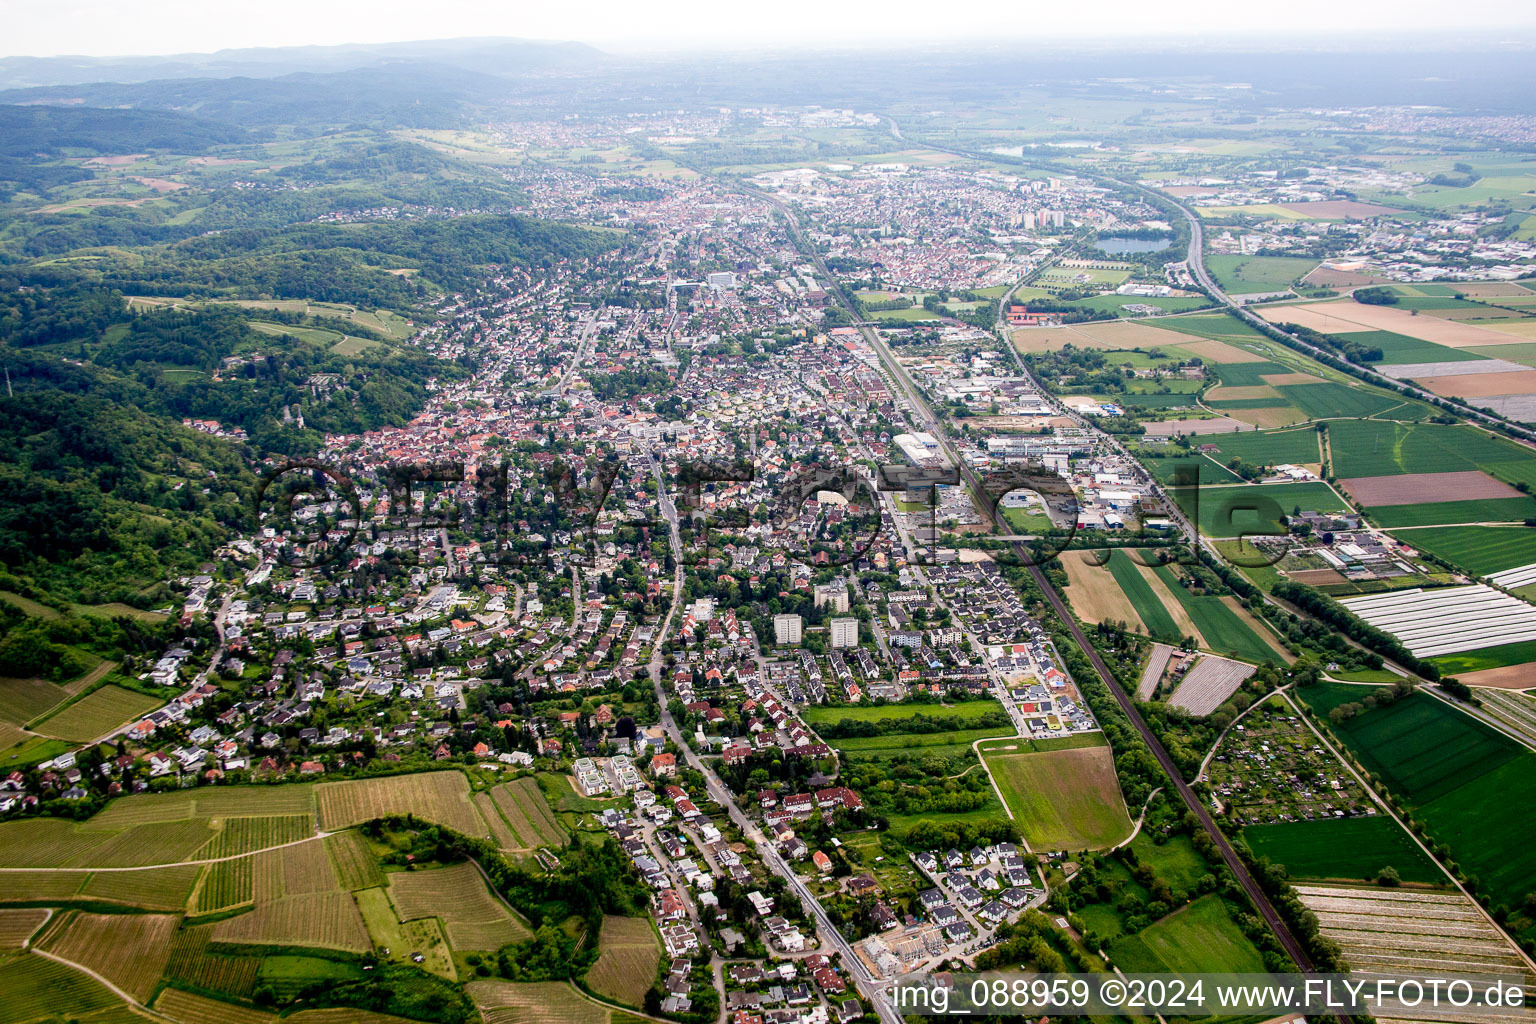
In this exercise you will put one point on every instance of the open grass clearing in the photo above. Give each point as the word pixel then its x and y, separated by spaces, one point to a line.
pixel 1062 799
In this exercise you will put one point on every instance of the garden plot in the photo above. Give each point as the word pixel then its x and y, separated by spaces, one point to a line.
pixel 1392 931
pixel 1207 686
pixel 1449 619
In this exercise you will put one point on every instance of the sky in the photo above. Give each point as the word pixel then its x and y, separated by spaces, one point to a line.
pixel 123 27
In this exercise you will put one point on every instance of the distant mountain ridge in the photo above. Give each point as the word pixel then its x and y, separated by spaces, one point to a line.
pixel 500 56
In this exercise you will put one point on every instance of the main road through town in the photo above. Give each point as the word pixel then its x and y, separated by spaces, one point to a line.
pixel 872 990
pixel 935 426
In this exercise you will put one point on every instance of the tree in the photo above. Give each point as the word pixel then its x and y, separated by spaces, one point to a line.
pixel 1388 876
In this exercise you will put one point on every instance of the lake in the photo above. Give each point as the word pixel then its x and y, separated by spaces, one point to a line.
pixel 1116 245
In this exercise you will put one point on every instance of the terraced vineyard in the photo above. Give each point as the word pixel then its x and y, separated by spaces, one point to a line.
pixel 458 896
pixel 130 950
pixel 442 797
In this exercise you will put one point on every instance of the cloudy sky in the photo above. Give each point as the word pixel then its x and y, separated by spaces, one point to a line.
pixel 111 27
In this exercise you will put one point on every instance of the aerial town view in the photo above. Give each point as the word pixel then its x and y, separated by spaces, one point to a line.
pixel 625 516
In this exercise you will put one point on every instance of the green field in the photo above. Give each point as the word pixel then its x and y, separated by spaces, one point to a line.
pixel 1384 448
pixel 1216 326
pixel 1199 937
pixel 1065 799
pixel 1329 399
pixel 1153 401
pixel 1176 860
pixel 1223 512
pixel 1247 274
pixel 1478 549
pixel 822 715
pixel 1210 472
pixel 1343 849
pixel 1459 777
pixel 1399 348
pixel 1158 622
pixel 1436 513
pixel 1115 303
pixel 1245 375
pixel 1267 447
pixel 1224 631
pixel 1488 657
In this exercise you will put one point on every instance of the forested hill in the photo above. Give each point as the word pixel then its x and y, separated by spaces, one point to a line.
pixel 101 499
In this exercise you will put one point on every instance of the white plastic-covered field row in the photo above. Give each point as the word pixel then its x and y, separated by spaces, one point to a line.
pixel 1448 619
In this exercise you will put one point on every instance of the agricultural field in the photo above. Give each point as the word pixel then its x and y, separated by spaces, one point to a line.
pixel 195 1009
pixel 539 1002
pixel 1224 626
pixel 166 888
pixel 1298 446
pixel 1393 931
pixel 1515 709
pixel 98 713
pixel 17 926
pixel 1199 937
pixel 1447 620
pixel 354 863
pixel 292 871
pixel 1478 549
pixel 38 989
pixel 1244 275
pixel 1343 849
pixel 192 963
pixel 1455 774
pixel 130 950
pixel 247 835
pixel 1095 594
pixel 1065 799
pixel 1207 685
pixel 526 814
pixel 628 952
pixel 442 797
pixel 227 884
pixel 329 920
pixel 459 897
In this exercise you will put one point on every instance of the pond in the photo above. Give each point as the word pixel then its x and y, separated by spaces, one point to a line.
pixel 1117 245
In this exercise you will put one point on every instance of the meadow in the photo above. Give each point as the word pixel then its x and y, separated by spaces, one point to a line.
pixel 1199 937
pixel 1065 799
pixel 1248 274
pixel 1457 775
pixel 1343 849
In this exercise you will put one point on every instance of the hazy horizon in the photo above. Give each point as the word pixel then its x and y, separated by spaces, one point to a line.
pixel 88 28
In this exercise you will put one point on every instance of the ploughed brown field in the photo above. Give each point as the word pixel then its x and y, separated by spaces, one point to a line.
pixel 1416 488
pixel 1482 385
